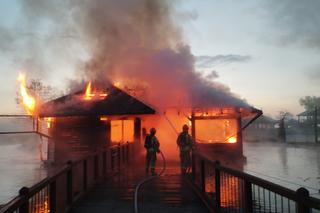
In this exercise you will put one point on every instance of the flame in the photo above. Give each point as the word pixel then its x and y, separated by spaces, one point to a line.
pixel 29 102
pixel 49 121
pixel 232 139
pixel 89 94
pixel 117 84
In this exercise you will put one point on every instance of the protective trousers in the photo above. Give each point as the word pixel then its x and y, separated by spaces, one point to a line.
pixel 185 160
pixel 151 160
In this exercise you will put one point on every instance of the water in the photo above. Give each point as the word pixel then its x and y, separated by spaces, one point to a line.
pixel 20 164
pixel 290 165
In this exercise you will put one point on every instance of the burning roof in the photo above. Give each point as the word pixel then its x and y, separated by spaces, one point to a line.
pixel 109 101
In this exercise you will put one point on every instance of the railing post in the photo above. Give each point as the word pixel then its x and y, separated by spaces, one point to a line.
pixel 119 157
pixel 217 184
pixel 193 161
pixel 248 196
pixel 302 194
pixel 203 176
pixel 24 208
pixel 127 154
pixel 85 175
pixel 53 197
pixel 112 159
pixel 96 167
pixel 69 183
pixel 104 162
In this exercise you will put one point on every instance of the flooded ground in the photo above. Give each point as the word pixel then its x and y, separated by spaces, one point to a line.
pixel 290 165
pixel 20 164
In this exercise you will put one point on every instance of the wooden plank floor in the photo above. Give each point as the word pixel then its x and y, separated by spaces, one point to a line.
pixel 168 193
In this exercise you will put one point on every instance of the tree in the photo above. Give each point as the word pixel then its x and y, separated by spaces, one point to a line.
pixel 40 91
pixel 310 102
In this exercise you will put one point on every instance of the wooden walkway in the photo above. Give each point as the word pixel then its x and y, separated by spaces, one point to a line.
pixel 169 193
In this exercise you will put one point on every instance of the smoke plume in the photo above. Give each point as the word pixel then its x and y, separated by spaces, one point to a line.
pixel 131 40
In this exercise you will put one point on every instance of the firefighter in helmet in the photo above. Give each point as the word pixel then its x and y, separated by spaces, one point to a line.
pixel 185 144
pixel 152 146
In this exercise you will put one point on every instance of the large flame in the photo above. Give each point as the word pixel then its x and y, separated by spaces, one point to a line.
pixel 89 94
pixel 29 102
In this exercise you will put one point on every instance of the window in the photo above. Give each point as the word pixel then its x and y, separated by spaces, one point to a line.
pixel 216 131
pixel 122 131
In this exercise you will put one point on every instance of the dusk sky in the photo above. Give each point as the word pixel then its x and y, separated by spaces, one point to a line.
pixel 265 51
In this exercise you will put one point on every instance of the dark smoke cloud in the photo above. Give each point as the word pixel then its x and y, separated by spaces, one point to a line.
pixel 296 20
pixel 206 61
pixel 130 40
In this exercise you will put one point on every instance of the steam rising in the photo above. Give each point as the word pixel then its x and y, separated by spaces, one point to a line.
pixel 133 41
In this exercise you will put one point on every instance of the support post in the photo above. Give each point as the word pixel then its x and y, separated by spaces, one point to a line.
pixel 248 196
pixel 203 176
pixel 53 197
pixel 217 185
pixel 104 162
pixel 69 183
pixel 128 153
pixel 119 157
pixel 96 167
pixel 85 175
pixel 24 208
pixel 193 158
pixel 302 194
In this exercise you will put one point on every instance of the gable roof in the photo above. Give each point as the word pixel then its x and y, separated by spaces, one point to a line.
pixel 117 102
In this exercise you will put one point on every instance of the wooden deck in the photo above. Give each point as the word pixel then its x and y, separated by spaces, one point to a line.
pixel 168 193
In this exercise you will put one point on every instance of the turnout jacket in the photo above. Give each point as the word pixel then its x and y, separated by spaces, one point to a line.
pixel 151 143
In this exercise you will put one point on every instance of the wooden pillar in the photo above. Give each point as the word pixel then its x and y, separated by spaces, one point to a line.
pixel 239 131
pixel 193 127
pixel 137 130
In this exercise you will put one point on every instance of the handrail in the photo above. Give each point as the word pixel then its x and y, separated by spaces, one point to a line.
pixel 44 192
pixel 300 197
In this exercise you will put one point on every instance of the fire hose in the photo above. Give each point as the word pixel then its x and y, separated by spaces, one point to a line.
pixel 136 191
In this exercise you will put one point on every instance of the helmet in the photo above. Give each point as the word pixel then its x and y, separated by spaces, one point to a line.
pixel 153 130
pixel 185 127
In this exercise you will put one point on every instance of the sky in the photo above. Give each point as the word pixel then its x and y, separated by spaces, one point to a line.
pixel 265 51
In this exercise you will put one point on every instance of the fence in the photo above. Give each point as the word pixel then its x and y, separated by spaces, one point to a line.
pixel 57 192
pixel 227 190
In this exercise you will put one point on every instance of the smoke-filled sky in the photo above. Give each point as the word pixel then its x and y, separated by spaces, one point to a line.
pixel 265 51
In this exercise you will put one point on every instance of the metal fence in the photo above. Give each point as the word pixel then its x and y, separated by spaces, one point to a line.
pixel 58 191
pixel 227 190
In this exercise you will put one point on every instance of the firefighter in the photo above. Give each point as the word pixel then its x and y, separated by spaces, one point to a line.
pixel 185 144
pixel 152 146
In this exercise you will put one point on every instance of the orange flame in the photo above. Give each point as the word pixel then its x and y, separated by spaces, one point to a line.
pixel 89 94
pixel 29 102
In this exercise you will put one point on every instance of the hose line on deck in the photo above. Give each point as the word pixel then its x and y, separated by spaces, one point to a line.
pixel 136 191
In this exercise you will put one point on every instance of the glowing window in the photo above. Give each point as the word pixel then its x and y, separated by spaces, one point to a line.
pixel 122 131
pixel 216 131
pixel 128 130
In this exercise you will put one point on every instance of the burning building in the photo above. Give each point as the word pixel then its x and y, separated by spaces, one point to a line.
pixel 93 118
pixel 90 120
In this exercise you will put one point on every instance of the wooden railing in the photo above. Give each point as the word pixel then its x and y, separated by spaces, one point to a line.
pixel 59 191
pixel 227 190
